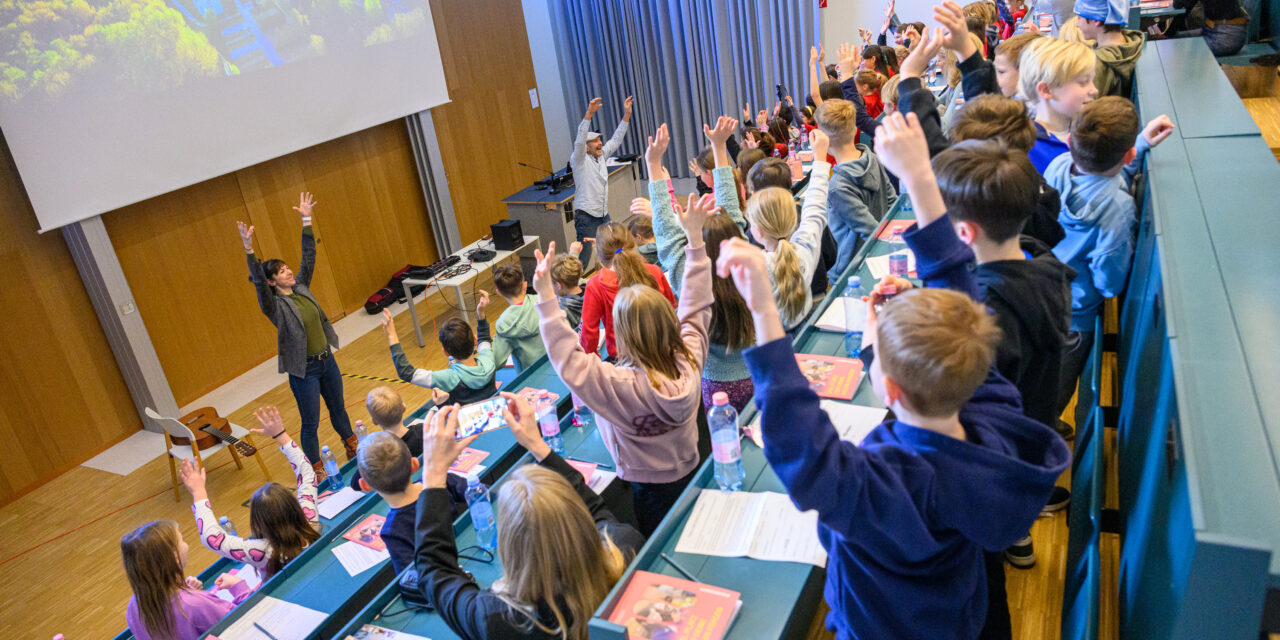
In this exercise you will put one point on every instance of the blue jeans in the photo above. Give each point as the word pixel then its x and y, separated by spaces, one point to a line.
pixel 323 379
pixel 586 225
pixel 1225 39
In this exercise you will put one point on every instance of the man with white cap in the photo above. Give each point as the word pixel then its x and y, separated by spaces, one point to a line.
pixel 591 175
pixel 1118 48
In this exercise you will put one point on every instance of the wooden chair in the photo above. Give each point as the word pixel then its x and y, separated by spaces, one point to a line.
pixel 199 446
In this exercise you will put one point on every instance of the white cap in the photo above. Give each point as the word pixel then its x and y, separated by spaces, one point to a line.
pixel 592 135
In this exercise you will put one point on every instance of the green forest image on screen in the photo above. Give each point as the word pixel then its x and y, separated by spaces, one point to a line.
pixel 53 49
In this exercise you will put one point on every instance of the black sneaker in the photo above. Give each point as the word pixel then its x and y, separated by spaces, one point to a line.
pixel 1022 555
pixel 1058 501
pixel 1065 430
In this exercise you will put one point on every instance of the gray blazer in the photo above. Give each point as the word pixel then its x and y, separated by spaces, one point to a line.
pixel 291 336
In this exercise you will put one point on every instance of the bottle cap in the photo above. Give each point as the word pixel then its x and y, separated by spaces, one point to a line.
pixel 223 520
pixel 359 422
pixel 889 290
pixel 719 398
pixel 325 448
pixel 472 480
pixel 855 282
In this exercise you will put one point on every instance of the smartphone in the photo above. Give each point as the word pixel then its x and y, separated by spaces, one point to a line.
pixel 481 417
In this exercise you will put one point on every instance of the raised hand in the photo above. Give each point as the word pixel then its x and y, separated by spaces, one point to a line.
pixel 901 146
pixel 751 142
pixel 656 149
pixel 482 302
pixel 439 447
pixel 951 17
pixel 592 108
pixel 866 36
pixel 389 327
pixel 523 422
pixel 626 108
pixel 822 55
pixel 888 20
pixel 917 61
pixel 1157 130
pixel 744 263
pixel 819 142
pixel 746 113
pixel 642 207
pixel 542 274
pixel 272 423
pixel 847 61
pixel 305 203
pixel 719 135
pixel 193 479
pixel 693 216
pixel 762 120
pixel 246 236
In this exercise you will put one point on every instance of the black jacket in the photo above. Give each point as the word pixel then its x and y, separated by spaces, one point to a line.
pixel 1043 224
pixel 1031 300
pixel 475 613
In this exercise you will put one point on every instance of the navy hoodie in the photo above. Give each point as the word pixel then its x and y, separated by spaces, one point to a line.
pixel 1031 300
pixel 905 517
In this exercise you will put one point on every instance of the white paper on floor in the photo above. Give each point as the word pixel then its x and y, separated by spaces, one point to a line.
pixel 129 454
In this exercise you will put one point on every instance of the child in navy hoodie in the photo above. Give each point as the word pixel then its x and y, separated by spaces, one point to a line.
pixel 905 516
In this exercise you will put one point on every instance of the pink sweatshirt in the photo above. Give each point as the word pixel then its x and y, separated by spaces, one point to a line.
pixel 194 612
pixel 651 433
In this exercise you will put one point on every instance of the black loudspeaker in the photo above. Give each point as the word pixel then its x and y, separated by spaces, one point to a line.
pixel 506 235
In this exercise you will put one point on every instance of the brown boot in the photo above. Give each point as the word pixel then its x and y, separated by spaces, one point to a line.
pixel 350 444
pixel 318 467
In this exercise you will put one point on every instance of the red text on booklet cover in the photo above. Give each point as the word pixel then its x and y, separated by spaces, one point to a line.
pixel 829 377
pixel 467 460
pixel 658 607
pixel 368 533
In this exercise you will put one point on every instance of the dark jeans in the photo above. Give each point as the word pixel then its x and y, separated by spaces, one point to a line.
pixel 1225 39
pixel 1079 344
pixel 323 379
pixel 998 625
pixel 586 225
pixel 654 500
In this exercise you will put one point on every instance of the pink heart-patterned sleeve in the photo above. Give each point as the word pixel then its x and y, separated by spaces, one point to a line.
pixel 306 481
pixel 251 551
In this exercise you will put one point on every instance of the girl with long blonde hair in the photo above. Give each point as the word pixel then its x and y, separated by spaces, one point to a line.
pixel 646 405
pixel 791 246
pixel 560 548
pixel 623 267
pixel 165 605
pixel 281 522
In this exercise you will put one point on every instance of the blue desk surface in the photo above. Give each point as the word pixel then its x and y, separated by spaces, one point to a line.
pixel 1204 104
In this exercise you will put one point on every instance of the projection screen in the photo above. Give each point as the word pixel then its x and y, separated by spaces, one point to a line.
pixel 108 102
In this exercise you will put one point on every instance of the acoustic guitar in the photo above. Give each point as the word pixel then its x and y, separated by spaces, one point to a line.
pixel 209 428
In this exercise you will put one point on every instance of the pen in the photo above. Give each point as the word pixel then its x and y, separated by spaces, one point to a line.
pixel 271 637
pixel 601 465
pixel 678 568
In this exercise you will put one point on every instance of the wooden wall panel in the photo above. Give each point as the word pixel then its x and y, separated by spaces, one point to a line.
pixel 185 264
pixel 489 125
pixel 62 398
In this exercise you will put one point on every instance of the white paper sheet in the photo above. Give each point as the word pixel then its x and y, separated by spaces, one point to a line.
pixel 879 265
pixel 600 480
pixel 251 580
pixel 283 620
pixel 475 471
pixel 764 526
pixel 374 632
pixel 357 558
pixel 833 318
pixel 337 502
pixel 853 422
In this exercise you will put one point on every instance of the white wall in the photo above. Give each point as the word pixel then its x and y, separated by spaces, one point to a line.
pixel 546 70
pixel 841 19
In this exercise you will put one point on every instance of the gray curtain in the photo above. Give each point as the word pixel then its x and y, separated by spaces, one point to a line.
pixel 685 61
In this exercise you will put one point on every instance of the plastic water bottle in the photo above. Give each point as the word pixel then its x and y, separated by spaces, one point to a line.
pixel 361 431
pixel 726 442
pixel 228 526
pixel 334 481
pixel 482 513
pixel 549 424
pixel 852 335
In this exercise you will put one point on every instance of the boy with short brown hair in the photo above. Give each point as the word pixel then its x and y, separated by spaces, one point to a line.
pixel 516 331
pixel 641 228
pixel 566 275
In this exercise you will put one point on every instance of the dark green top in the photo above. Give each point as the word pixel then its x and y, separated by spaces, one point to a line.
pixel 316 341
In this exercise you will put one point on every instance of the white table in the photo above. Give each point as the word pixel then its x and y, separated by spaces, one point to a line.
pixel 526 249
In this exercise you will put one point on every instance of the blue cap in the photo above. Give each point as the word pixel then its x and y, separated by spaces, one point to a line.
pixel 855 281
pixel 1104 11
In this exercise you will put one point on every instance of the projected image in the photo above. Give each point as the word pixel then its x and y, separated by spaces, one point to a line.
pixel 52 48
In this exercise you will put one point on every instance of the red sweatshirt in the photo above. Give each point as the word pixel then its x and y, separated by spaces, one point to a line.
pixel 597 305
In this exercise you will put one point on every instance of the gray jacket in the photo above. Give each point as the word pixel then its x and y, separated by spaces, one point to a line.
pixel 291 336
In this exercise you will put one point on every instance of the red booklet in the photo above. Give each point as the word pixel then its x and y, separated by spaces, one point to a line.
pixel 835 378
pixel 895 227
pixel 368 533
pixel 467 460
pixel 659 607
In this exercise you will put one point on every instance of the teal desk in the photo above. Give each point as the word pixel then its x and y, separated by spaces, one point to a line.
pixel 1202 98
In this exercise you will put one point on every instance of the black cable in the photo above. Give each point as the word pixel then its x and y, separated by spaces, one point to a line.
pixel 487 560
